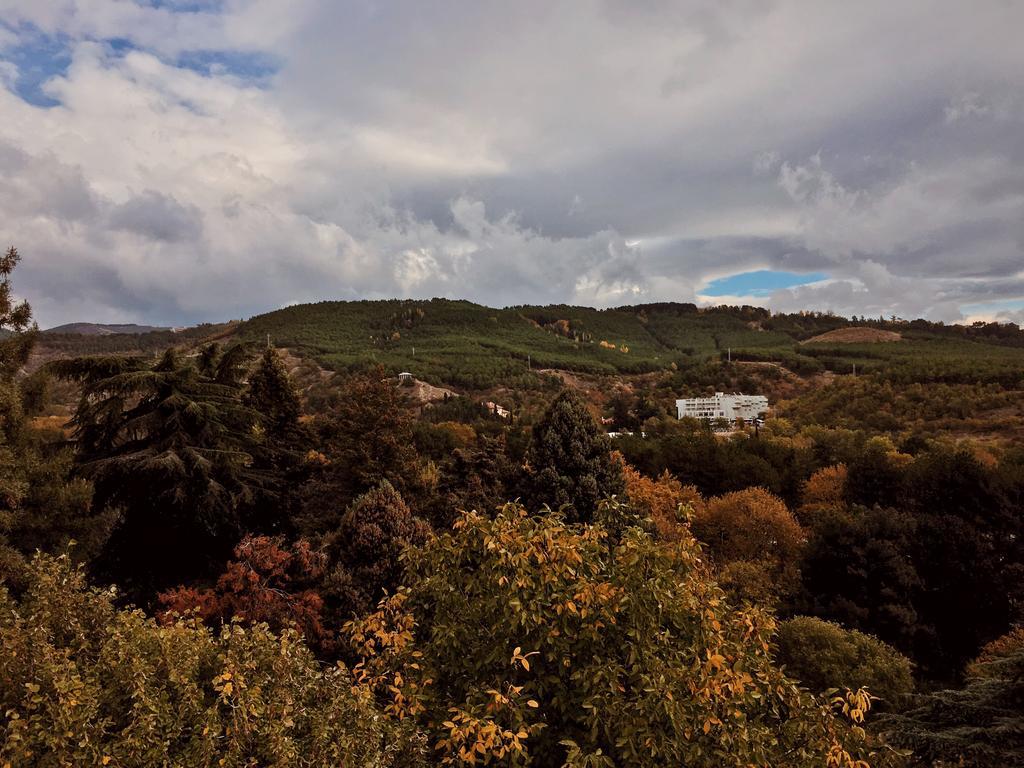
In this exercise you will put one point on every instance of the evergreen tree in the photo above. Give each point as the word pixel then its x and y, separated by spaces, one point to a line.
pixel 364 552
pixel 272 395
pixel 570 461
pixel 980 725
pixel 282 440
pixel 172 446
pixel 365 439
pixel 41 506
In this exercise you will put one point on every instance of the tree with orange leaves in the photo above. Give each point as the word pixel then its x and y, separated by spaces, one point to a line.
pixel 268 581
pixel 754 541
pixel 824 490
pixel 664 500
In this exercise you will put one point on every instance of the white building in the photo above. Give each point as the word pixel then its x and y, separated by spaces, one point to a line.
pixel 722 406
pixel 498 410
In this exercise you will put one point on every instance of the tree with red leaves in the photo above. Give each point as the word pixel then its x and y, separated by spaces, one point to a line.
pixel 267 581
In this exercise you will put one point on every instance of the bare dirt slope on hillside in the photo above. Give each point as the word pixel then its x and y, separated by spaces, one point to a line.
pixel 853 336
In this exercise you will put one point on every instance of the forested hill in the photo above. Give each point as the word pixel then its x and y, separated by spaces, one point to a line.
pixel 469 345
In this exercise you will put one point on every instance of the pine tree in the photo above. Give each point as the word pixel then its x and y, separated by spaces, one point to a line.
pixel 570 462
pixel 980 725
pixel 365 550
pixel 172 446
pixel 365 439
pixel 273 396
pixel 42 507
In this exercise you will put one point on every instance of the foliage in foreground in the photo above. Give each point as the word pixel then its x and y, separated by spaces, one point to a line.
pixel 523 640
pixel 83 683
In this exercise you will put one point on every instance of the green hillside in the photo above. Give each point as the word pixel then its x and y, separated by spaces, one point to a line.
pixel 466 344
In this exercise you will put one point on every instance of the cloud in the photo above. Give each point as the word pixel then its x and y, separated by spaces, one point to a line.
pixel 182 161
pixel 158 217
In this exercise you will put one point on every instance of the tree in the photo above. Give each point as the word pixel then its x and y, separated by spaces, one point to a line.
pixel 754 542
pixel 979 725
pixel 969 553
pixel 857 571
pixel 85 683
pixel 824 490
pixel 267 582
pixel 823 655
pixel 363 554
pixel 569 462
pixel 281 441
pixel 367 438
pixel 171 445
pixel 472 479
pixel 525 640
pixel 42 507
pixel 876 475
pixel 664 500
pixel 15 320
pixel 272 395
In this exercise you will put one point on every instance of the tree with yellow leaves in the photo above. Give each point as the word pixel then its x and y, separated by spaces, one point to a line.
pixel 664 500
pixel 526 641
pixel 754 542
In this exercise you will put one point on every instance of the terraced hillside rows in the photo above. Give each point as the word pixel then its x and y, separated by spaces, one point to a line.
pixel 472 346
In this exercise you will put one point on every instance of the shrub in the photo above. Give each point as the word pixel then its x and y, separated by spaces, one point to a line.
pixel 523 640
pixel 84 683
pixel 823 655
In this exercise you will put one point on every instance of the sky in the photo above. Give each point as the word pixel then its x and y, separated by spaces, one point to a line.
pixel 178 161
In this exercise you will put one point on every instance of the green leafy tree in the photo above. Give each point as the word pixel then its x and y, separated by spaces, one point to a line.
pixel 857 571
pixel 170 445
pixel 569 460
pixel 15 320
pixel 523 640
pixel 84 683
pixel 823 655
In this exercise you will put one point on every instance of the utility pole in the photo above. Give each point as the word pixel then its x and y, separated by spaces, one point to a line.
pixel 268 341
pixel 728 352
pixel 854 369
pixel 529 363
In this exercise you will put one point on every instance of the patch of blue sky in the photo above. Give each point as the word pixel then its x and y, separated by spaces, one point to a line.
pixel 38 58
pixel 759 283
pixel 250 66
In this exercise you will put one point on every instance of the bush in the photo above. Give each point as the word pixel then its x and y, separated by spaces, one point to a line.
pixel 84 683
pixel 823 655
pixel 523 640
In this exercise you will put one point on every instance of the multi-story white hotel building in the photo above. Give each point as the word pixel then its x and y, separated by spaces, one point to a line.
pixel 722 406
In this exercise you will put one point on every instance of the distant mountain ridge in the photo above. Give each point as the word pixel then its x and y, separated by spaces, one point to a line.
pixel 105 329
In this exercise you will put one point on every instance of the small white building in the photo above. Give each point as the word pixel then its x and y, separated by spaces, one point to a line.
pixel 498 410
pixel 722 406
